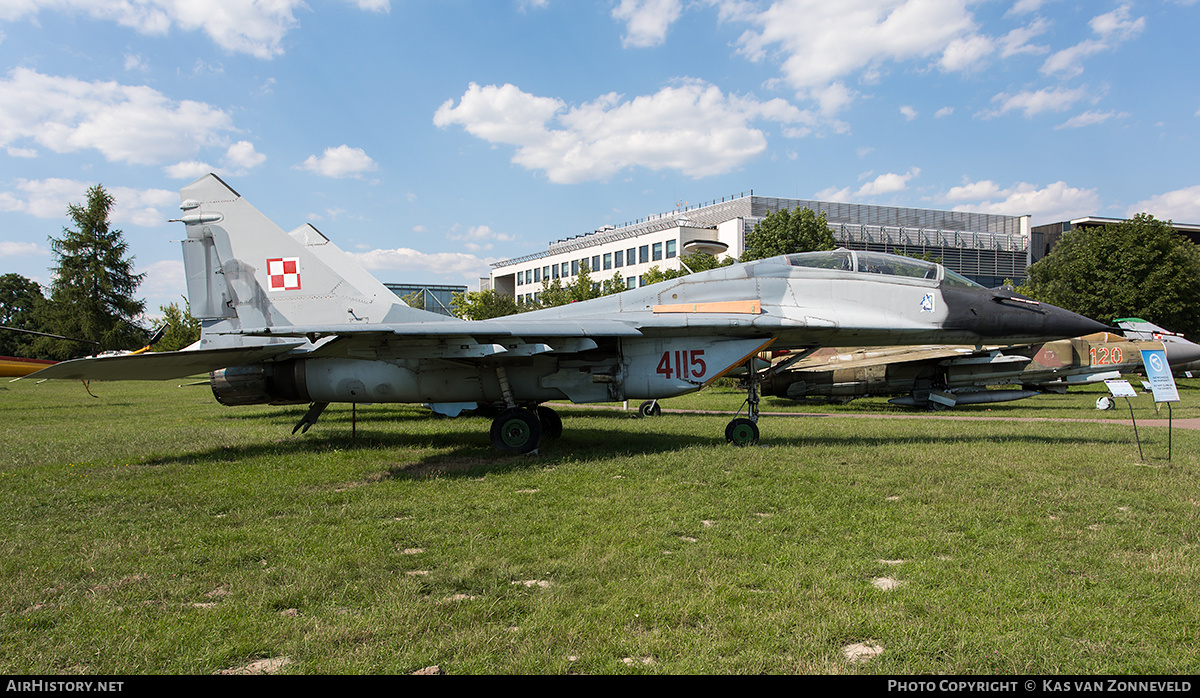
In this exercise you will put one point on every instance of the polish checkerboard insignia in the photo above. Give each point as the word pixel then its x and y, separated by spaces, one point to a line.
pixel 283 274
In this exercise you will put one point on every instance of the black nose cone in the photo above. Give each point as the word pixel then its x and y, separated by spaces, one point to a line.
pixel 1007 317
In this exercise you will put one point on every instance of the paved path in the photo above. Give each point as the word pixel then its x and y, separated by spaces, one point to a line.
pixel 1192 423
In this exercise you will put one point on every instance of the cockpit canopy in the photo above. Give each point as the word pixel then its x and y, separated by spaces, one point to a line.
pixel 879 263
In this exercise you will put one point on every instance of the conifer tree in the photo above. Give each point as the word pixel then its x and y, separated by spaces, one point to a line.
pixel 92 295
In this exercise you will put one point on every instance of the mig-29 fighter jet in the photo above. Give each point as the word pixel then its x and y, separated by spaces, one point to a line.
pixel 288 318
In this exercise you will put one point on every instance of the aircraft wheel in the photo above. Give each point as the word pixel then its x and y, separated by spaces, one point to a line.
pixel 649 408
pixel 741 432
pixel 516 430
pixel 551 422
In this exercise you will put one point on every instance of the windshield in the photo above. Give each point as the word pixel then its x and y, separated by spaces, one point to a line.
pixel 834 259
pixel 953 279
pixel 879 263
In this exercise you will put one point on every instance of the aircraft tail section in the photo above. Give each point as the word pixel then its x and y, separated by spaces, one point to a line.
pixel 246 272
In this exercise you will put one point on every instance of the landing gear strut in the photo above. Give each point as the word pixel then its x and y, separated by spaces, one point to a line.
pixel 743 431
pixel 519 429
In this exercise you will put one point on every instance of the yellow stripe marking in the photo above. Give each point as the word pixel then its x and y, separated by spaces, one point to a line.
pixel 743 307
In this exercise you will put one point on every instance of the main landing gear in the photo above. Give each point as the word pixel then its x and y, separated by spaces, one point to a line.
pixel 521 430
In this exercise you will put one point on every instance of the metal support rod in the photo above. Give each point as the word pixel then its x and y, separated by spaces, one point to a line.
pixel 505 388
pixel 1141 458
pixel 1170 417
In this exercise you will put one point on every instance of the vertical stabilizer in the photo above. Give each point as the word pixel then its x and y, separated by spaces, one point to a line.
pixel 243 268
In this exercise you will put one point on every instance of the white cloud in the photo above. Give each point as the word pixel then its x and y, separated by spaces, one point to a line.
pixel 1033 103
pixel 342 161
pixel 888 183
pixel 822 42
pixel 242 155
pixel 647 21
pixel 190 169
pixel 373 5
pixel 19 249
pixel 456 264
pixel 479 238
pixel 125 123
pixel 943 112
pixel 692 127
pixel 1090 118
pixel 1111 29
pixel 49 198
pixel 238 26
pixel 1054 202
pixel 164 279
pixel 1016 42
pixel 1021 7
pixel 1181 206
pixel 908 112
pixel 134 61
pixel 965 53
pixel 239 159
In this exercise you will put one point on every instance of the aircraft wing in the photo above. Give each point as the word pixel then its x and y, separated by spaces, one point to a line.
pixel 827 359
pixel 161 365
pixel 511 326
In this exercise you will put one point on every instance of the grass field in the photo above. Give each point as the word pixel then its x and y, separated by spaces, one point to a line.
pixel 150 530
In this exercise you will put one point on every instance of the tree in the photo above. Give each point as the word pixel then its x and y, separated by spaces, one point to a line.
pixel 788 232
pixel 481 305
pixel 21 303
pixel 1135 268
pixel 699 261
pixel 555 293
pixel 182 329
pixel 616 284
pixel 92 296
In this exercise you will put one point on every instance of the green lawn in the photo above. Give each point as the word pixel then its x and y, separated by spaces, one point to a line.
pixel 150 530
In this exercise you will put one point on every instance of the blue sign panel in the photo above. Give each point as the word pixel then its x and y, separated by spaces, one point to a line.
pixel 1158 372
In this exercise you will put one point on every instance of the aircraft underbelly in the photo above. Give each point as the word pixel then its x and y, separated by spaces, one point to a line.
pixel 353 380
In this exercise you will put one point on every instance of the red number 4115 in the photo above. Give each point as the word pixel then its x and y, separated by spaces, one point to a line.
pixel 682 364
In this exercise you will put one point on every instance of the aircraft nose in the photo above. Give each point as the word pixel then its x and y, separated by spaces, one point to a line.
pixel 1009 317
pixel 1182 352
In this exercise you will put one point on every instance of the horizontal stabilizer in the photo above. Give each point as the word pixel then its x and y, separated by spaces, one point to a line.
pixel 161 365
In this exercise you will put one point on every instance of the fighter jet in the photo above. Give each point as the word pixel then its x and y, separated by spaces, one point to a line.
pixel 288 318
pixel 1188 352
pixel 938 377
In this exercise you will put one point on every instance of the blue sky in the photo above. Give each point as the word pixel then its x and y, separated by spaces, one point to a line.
pixel 432 137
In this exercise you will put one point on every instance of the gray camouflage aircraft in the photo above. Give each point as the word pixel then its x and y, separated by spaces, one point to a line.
pixel 944 376
pixel 1137 328
pixel 288 318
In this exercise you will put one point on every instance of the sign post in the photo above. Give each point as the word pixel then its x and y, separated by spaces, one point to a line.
pixel 1125 390
pixel 1162 384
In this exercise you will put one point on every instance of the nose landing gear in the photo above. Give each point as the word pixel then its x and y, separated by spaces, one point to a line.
pixel 743 431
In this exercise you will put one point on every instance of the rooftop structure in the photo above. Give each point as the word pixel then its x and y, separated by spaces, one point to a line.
pixel 987 248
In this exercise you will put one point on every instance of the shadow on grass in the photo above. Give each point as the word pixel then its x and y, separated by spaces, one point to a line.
pixel 461 447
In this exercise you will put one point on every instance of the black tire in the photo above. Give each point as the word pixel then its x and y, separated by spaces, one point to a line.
pixel 741 432
pixel 649 408
pixel 516 430
pixel 551 423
